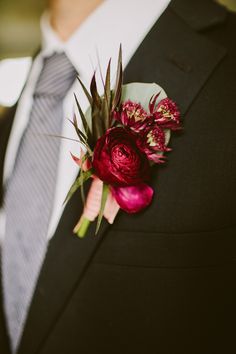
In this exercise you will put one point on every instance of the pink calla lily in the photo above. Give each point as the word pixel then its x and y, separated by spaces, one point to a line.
pixel 133 199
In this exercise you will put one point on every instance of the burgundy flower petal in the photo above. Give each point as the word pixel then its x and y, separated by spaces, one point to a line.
pixel 133 199
pixel 153 143
pixel 133 116
pixel 117 160
pixel 156 158
pixel 167 114
pixel 152 102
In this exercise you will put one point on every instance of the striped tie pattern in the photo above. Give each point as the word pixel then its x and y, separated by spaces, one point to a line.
pixel 30 193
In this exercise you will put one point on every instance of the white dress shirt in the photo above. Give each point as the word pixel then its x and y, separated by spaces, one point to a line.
pixel 114 22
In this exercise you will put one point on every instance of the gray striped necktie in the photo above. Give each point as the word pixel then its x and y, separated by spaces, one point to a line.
pixel 30 193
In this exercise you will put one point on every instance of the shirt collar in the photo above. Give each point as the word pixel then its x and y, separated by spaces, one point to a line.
pixel 100 35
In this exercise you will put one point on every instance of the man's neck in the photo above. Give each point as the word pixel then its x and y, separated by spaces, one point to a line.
pixel 67 15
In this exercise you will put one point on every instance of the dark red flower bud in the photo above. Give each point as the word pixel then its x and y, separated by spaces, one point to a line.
pixel 133 199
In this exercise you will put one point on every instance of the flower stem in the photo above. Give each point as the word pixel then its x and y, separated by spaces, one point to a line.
pixel 83 228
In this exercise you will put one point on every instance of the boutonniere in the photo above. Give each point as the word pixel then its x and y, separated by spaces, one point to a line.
pixel 125 132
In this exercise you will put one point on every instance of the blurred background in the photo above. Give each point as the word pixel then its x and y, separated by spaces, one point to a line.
pixel 19 26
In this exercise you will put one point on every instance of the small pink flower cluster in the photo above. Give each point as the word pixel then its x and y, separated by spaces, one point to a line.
pixel 150 127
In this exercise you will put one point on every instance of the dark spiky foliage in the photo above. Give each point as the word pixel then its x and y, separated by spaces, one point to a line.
pixel 101 106
pixel 101 119
pixel 119 81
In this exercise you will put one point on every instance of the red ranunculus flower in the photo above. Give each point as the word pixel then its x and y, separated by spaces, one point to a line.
pixel 118 161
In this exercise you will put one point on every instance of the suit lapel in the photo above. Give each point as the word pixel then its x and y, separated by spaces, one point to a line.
pixel 4 342
pixel 6 119
pixel 176 57
pixel 179 60
pixel 66 262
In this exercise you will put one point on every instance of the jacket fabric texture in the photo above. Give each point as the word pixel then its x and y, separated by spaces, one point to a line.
pixel 162 281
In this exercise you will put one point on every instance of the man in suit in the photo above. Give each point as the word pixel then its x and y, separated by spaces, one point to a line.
pixel 162 281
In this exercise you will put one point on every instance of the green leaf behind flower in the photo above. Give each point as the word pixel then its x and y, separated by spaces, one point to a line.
pixel 142 93
pixel 87 94
pixel 119 81
pixel 88 134
pixel 78 182
pixel 98 124
pixel 106 101
pixel 105 192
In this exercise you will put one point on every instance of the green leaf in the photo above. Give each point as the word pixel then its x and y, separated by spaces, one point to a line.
pixel 141 93
pixel 119 81
pixel 94 93
pixel 81 176
pixel 77 184
pixel 105 192
pixel 96 112
pixel 107 96
pixel 78 131
pixel 87 94
pixel 97 123
pixel 61 137
pixel 82 137
pixel 108 81
pixel 167 136
pixel 84 121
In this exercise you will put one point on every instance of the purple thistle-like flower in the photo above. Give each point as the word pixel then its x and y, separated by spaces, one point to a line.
pixel 167 114
pixel 132 115
pixel 153 144
pixel 156 139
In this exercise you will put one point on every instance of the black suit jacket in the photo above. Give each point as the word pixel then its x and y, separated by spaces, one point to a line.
pixel 163 281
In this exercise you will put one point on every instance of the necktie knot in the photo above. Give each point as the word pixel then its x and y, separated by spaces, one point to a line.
pixel 57 76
